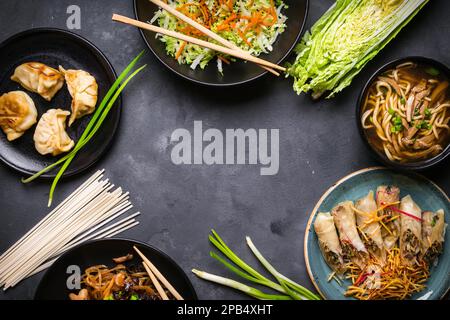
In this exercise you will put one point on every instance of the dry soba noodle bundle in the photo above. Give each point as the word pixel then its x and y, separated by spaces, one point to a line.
pixel 406 115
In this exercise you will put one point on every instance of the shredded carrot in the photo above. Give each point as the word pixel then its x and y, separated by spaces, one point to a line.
pixel 243 37
pixel 180 50
pixel 225 25
pixel 224 16
pixel 224 59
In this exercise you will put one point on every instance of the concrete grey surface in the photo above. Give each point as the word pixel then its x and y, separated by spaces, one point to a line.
pixel 319 144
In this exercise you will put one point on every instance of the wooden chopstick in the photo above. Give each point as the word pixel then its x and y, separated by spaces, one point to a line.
pixel 159 275
pixel 155 281
pixel 203 29
pixel 183 37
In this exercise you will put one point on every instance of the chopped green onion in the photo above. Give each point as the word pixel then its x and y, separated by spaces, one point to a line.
pixel 134 296
pixel 433 71
pixel 402 100
pixel 391 111
pixel 423 125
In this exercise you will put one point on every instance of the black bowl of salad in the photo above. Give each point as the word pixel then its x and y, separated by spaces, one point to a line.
pixel 269 29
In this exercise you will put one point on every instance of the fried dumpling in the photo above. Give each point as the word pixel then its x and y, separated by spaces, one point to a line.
pixel 17 114
pixel 84 91
pixel 50 136
pixel 40 78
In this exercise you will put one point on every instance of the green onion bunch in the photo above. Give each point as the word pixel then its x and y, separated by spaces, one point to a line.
pixel 286 288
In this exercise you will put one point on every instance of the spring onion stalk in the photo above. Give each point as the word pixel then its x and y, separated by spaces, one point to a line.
pixel 84 137
pixel 239 286
pixel 289 289
pixel 92 133
pixel 262 281
pixel 220 244
pixel 282 279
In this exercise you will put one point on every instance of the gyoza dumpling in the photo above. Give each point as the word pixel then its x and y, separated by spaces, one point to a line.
pixel 17 114
pixel 40 78
pixel 84 91
pixel 50 136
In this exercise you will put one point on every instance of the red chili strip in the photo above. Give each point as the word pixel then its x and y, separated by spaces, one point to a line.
pixel 407 214
pixel 361 279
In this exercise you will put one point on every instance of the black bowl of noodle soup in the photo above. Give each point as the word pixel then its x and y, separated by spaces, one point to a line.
pixel 403 113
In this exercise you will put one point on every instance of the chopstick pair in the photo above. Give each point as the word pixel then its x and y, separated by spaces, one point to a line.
pixel 155 275
pixel 227 47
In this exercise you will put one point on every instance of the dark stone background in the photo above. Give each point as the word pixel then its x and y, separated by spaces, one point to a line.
pixel 319 144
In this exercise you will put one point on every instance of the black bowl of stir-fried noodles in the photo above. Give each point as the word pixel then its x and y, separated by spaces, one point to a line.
pixel 403 113
pixel 82 267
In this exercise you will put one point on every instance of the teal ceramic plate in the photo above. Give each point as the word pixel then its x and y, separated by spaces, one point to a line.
pixel 356 185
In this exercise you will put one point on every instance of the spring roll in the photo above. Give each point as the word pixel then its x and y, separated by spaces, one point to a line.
pixel 410 231
pixel 329 242
pixel 353 249
pixel 433 233
pixel 366 211
pixel 385 196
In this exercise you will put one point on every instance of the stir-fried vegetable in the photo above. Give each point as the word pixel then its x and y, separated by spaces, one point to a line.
pixel 289 289
pixel 93 125
pixel 253 25
pixel 345 39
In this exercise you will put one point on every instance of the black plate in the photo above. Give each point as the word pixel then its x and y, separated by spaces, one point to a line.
pixel 53 284
pixel 56 47
pixel 419 165
pixel 238 72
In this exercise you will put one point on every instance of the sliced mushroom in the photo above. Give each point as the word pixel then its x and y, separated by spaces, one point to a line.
pixel 82 295
pixel 119 279
pixel 424 106
pixel 123 259
pixel 424 143
pixel 411 132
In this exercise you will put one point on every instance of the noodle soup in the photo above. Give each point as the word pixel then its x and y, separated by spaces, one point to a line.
pixel 406 113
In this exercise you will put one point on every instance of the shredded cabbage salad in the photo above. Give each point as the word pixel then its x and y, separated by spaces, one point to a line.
pixel 253 25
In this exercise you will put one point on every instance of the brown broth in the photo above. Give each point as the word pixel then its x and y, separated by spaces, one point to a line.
pixel 414 75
